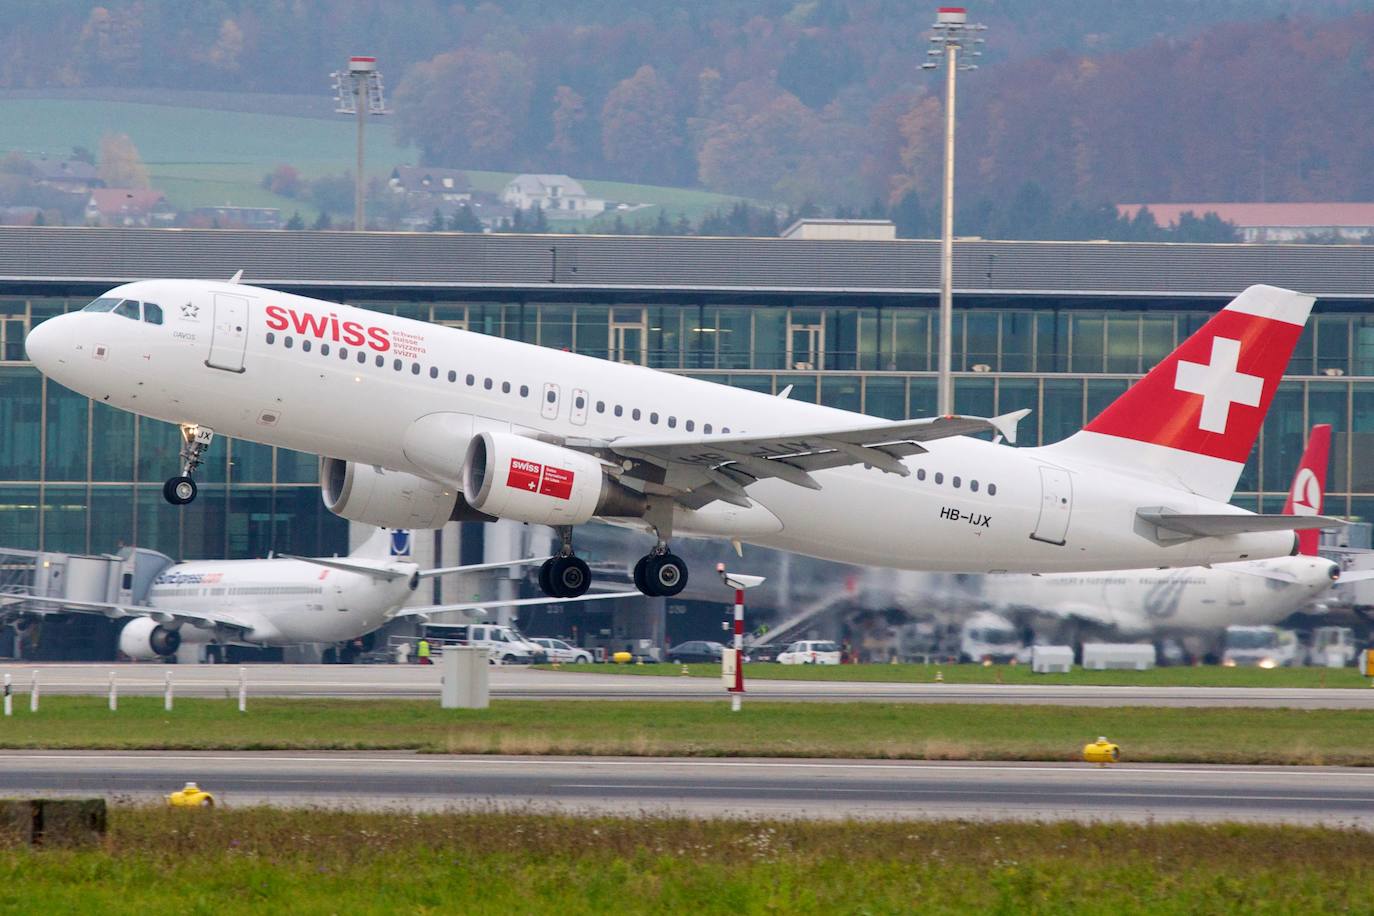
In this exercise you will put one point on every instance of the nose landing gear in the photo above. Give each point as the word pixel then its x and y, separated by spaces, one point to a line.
pixel 181 489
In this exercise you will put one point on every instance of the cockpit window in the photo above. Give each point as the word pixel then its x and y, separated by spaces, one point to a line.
pixel 101 305
pixel 127 309
pixel 152 313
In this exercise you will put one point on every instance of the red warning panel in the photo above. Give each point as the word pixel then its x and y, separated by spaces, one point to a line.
pixel 557 482
pixel 524 475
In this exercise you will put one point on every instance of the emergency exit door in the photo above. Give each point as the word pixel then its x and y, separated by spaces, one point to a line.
pixel 229 334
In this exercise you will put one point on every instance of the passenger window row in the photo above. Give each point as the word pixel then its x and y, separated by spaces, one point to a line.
pixel 399 365
pixel 956 481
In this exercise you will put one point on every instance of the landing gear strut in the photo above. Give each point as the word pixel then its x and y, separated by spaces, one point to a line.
pixel 661 573
pixel 566 575
pixel 195 440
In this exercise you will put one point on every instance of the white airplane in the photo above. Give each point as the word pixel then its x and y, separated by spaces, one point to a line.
pixel 1137 602
pixel 277 602
pixel 422 424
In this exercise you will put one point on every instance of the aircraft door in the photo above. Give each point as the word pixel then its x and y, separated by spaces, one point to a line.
pixel 578 412
pixel 548 407
pixel 1056 504
pixel 229 335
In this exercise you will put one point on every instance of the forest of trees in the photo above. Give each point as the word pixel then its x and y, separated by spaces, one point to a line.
pixel 792 101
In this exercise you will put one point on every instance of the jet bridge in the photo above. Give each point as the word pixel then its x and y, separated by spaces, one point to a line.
pixel 42 632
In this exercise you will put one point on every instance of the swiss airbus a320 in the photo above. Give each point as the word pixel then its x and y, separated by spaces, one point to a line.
pixel 419 424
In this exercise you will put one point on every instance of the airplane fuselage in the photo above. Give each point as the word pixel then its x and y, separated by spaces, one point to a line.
pixel 287 602
pixel 366 387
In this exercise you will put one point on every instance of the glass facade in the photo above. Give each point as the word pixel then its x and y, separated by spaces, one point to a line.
pixel 83 477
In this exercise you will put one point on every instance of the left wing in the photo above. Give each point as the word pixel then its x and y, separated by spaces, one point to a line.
pixel 697 470
pixel 388 571
pixel 1183 526
pixel 480 607
pixel 115 611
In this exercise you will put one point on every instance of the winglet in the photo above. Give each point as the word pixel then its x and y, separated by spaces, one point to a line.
pixel 238 275
pixel 1006 423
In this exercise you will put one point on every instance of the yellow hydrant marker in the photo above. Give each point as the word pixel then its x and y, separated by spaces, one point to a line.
pixel 1101 752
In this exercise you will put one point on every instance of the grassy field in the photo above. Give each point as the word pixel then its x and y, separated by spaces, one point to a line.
pixel 1182 676
pixel 255 860
pixel 633 728
pixel 203 157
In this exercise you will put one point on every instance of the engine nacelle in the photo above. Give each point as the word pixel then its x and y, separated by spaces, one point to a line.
pixel 527 480
pixel 388 499
pixel 144 638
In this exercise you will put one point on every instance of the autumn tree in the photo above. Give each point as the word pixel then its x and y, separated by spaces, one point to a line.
pixel 466 107
pixel 568 119
pixel 120 164
pixel 640 131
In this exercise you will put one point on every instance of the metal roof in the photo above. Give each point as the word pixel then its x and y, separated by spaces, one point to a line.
pixel 401 262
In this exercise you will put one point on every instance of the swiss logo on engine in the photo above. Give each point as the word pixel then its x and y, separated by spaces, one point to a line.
pixel 545 480
pixel 524 475
pixel 557 482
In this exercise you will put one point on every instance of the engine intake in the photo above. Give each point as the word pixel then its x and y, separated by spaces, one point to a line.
pixel 390 499
pixel 531 481
pixel 144 638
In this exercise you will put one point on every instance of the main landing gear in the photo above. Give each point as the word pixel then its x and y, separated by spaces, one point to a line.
pixel 660 574
pixel 195 440
pixel 566 575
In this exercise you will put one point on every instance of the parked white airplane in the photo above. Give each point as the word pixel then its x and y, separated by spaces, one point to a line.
pixel 1143 601
pixel 277 602
pixel 423 423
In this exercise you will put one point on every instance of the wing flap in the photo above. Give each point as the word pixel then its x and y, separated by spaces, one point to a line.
pixel 480 608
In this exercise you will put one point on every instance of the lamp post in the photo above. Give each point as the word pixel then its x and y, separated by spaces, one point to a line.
pixel 953 33
pixel 358 91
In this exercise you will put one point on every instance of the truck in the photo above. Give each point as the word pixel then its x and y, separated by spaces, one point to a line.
pixel 1261 646
pixel 1333 647
pixel 986 636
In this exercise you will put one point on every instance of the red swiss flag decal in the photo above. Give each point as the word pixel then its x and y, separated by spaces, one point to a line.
pixel 524 475
pixel 557 482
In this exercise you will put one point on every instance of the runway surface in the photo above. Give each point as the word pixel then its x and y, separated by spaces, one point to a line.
pixel 736 788
pixel 422 682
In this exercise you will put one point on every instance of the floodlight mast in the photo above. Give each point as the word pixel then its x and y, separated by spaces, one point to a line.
pixel 953 33
pixel 358 91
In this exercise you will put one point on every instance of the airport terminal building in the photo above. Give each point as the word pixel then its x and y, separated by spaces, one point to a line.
pixel 1060 327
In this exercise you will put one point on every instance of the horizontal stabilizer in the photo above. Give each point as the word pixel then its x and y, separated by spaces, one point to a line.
pixel 1176 526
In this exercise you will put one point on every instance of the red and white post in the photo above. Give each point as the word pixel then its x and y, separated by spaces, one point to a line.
pixel 732 667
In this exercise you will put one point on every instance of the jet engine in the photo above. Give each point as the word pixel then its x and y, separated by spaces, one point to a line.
pixel 531 481
pixel 390 499
pixel 144 638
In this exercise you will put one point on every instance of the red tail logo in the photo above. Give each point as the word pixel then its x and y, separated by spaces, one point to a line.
pixel 1210 395
pixel 1309 485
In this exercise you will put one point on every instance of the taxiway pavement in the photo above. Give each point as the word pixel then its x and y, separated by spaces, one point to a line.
pixel 422 682
pixel 729 788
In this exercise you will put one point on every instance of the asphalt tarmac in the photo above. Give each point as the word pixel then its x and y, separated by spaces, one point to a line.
pixel 422 682
pixel 821 789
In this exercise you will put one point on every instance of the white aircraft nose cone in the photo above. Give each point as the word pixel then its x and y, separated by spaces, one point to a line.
pixel 44 344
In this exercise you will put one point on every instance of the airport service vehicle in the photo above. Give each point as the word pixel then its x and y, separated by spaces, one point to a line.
pixel 420 424
pixel 506 645
pixel 1264 647
pixel 561 652
pixel 696 651
pixel 811 652
pixel 1333 647
pixel 1138 602
pixel 284 601
pixel 989 637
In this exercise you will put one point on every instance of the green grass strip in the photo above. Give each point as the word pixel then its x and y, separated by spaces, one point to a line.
pixel 706 729
pixel 308 862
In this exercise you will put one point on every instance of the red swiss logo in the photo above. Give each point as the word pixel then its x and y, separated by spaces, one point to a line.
pixel 546 480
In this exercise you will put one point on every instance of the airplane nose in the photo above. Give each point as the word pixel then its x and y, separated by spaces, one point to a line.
pixel 44 343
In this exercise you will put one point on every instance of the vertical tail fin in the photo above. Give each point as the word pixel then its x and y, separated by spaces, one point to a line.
pixel 1195 417
pixel 1309 485
pixel 384 544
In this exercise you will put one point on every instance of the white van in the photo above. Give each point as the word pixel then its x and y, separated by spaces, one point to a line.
pixel 811 652
pixel 1265 647
pixel 504 645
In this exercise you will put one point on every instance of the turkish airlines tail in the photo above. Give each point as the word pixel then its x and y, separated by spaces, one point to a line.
pixel 1194 418
pixel 1309 485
